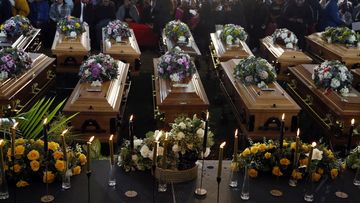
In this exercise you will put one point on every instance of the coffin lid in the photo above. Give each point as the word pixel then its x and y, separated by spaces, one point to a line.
pixel 22 42
pixel 356 72
pixel 128 46
pixel 108 100
pixel 229 52
pixel 338 49
pixel 256 99
pixel 193 50
pixel 193 94
pixel 345 105
pixel 283 54
pixel 10 86
pixel 80 44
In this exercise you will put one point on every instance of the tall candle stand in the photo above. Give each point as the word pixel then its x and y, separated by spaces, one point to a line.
pixel 200 190
pixel 47 197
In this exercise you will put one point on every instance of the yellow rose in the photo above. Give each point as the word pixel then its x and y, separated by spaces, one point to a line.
pixel 234 166
pixel 276 171
pixel 77 25
pixel 305 147
pixel 267 155
pixel 246 152
pixel 296 175
pixel 40 142
pixel 76 170
pixel 22 183
pixel 1 26
pixel 17 168
pixel 48 177
pixel 262 147
pixel 271 146
pixel 53 146
pixel 19 150
pixel 58 155
pixel 285 144
pixel 303 162
pixel 35 165
pixel 19 141
pixel 254 150
pixel 82 159
pixel 315 177
pixel 6 167
pixel 9 153
pixel 293 145
pixel 60 165
pixel 33 155
pixel 334 173
pixel 320 171
pixel 284 161
pixel 253 173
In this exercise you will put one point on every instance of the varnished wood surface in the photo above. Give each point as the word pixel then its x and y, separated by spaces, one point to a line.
pixel 356 79
pixel 191 48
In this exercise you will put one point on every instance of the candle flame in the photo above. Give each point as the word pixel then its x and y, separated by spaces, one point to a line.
pixel 1 142
pixel 352 121
pixel 223 145
pixel 283 117
pixel 298 132
pixel 166 135
pixel 207 115
pixel 15 125
pixel 111 137
pixel 45 121
pixel 236 132
pixel 313 144
pixel 64 132
pixel 91 139
pixel 158 136
pixel 131 118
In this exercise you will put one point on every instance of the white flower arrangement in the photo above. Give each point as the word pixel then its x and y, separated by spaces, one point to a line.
pixel 285 37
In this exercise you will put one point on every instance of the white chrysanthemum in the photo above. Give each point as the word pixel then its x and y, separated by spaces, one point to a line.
pixel 182 39
pixel 343 76
pixel 284 35
pixel 182 125
pixel 335 83
pixel 263 75
pixel 352 39
pixel 150 154
pixel 317 154
pixel 144 151
pixel 289 46
pixel 344 90
pixel 200 133
pixel 176 148
pixel 137 142
pixel 249 78
pixel 175 77
pixel 135 157
pixel 229 40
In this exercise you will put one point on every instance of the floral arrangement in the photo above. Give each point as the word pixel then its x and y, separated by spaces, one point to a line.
pixel 29 162
pixel 267 157
pixel 342 35
pixel 13 62
pixel 177 31
pixel 101 67
pixel 233 34
pixel 176 65
pixel 70 26
pixel 16 26
pixel 117 29
pixel 333 75
pixel 353 159
pixel 183 146
pixel 285 37
pixel 255 71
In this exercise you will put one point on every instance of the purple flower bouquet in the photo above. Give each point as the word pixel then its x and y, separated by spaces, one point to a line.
pixel 116 29
pixel 13 62
pixel 16 26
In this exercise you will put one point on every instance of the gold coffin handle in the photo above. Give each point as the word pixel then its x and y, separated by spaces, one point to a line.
pixel 308 100
pixel 50 74
pixel 35 89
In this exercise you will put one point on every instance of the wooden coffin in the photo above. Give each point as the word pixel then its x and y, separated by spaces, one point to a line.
pixel 99 111
pixel 190 48
pixel 70 53
pixel 27 88
pixel 226 52
pixel 127 50
pixel 175 101
pixel 356 80
pixel 30 43
pixel 332 111
pixel 281 57
pixel 259 111
pixel 323 50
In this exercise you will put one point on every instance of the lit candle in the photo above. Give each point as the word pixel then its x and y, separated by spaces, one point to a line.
pixel 45 136
pixel 205 132
pixel 350 135
pixel 2 155
pixel 88 153
pixel 165 151
pixel 313 145
pixel 13 138
pixel 156 142
pixel 236 140
pixel 64 143
pixel 131 131
pixel 282 131
pixel 221 152
pixel 297 142
pixel 111 147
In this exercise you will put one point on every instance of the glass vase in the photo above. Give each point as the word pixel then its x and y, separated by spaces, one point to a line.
pixel 66 184
pixel 309 192
pixel 162 186
pixel 112 179
pixel 4 192
pixel 234 175
pixel 245 190
pixel 357 177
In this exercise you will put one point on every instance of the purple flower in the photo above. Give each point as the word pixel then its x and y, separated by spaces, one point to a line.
pixel 95 70
pixel 161 70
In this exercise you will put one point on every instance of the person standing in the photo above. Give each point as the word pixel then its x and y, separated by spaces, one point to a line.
pixel 5 10
pixel 84 10
pixel 162 12
pixel 331 16
pixel 128 12
pixel 105 13
pixel 20 7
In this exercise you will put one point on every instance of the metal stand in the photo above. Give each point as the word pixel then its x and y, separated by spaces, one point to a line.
pixel 218 179
pixel 200 190
pixel 13 172
pixel 47 197
pixel 88 174
pixel 154 182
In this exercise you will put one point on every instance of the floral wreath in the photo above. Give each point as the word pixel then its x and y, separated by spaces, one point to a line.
pixel 333 75
pixel 177 31
pixel 233 34
pixel 255 71
pixel 70 26
pixel 285 37
pixel 101 67
pixel 16 26
pixel 117 28
pixel 13 62
pixel 342 35
pixel 176 65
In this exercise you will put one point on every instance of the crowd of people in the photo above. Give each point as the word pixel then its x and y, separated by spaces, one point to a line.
pixel 259 17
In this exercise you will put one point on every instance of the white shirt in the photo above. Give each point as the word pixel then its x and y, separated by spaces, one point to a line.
pixel 82 9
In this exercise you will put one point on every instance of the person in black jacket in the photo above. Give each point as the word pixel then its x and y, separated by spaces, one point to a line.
pixel 5 10
pixel 85 11
pixel 162 12
pixel 105 12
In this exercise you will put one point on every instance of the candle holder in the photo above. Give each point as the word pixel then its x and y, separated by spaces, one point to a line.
pixel 112 179
pixel 162 185
pixel 357 177
pixel 234 174
pixel 66 183
pixel 4 191
pixel 218 180
pixel 309 192
pixel 276 192
pixel 47 197
pixel 88 174
pixel 200 190
pixel 245 190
